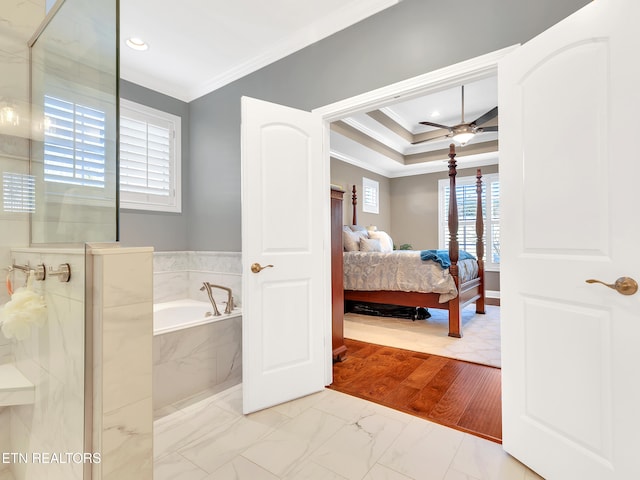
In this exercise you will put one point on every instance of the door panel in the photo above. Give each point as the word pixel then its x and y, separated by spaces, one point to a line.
pixel 582 414
pixel 568 214
pixel 583 117
pixel 283 203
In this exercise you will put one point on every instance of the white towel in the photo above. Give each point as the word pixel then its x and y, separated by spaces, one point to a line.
pixel 25 310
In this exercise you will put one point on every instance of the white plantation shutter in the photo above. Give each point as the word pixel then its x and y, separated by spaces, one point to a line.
pixel 493 246
pixel 466 198
pixel 149 158
pixel 74 143
pixel 18 192
pixel 370 195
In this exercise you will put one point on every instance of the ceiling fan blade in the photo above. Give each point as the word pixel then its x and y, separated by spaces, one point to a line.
pixel 493 113
pixel 493 128
pixel 430 136
pixel 437 125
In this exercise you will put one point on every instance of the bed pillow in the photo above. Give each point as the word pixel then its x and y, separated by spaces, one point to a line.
pixel 357 228
pixel 370 245
pixel 386 244
pixel 350 241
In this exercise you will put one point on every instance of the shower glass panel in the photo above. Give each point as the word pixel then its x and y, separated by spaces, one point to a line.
pixel 58 164
pixel 74 88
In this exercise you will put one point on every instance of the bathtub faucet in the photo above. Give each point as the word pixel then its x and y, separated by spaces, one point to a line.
pixel 208 286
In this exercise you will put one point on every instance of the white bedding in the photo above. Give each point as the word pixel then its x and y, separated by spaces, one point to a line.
pixel 403 270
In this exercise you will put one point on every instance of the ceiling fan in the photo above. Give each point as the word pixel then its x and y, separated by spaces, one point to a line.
pixel 462 132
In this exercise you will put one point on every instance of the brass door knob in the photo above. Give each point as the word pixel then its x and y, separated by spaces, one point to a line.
pixel 257 268
pixel 623 285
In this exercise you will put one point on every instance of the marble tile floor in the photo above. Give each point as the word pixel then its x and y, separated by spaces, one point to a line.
pixel 326 436
pixel 480 342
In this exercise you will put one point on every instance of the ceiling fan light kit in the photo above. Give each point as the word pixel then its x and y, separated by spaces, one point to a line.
pixel 463 132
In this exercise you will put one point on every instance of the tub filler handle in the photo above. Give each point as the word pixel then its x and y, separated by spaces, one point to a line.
pixel 230 306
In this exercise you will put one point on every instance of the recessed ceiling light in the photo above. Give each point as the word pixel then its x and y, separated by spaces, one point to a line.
pixel 136 43
pixel 435 114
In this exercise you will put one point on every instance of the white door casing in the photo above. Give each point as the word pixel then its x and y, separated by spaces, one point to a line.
pixel 568 105
pixel 285 197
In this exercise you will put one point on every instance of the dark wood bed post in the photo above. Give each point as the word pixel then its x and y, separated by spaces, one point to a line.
pixel 354 202
pixel 455 319
pixel 480 241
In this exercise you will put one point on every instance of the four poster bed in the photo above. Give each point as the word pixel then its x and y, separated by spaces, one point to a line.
pixel 411 281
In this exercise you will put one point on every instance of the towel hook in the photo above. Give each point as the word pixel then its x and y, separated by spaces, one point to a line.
pixel 63 272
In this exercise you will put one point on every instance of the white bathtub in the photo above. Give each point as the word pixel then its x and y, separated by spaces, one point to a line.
pixel 179 314
pixel 192 352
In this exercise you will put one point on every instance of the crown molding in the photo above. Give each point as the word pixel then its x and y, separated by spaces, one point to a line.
pixel 350 14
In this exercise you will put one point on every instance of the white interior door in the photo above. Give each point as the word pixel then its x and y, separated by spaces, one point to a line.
pixel 569 106
pixel 285 199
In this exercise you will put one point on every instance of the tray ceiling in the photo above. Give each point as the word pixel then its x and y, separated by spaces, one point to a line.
pixel 381 140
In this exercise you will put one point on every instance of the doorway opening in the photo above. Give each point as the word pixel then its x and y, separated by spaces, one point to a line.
pixel 467 72
pixel 480 70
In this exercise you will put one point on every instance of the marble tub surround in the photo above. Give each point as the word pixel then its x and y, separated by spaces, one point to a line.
pixel 327 435
pixel 180 274
pixel 191 360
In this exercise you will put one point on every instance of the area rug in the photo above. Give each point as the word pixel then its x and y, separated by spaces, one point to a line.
pixel 480 342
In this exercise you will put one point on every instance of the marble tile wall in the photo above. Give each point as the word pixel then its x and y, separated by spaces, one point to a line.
pixel 189 361
pixel 6 355
pixel 52 358
pixel 5 439
pixel 18 21
pixel 180 274
pixel 122 306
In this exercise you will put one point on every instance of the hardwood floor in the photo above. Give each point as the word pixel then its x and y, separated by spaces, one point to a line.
pixel 461 395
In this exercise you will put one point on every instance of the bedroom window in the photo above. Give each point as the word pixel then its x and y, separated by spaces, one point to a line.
pixel 149 158
pixel 370 195
pixel 466 196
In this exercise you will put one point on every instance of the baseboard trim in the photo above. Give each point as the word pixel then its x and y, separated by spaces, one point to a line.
pixel 492 297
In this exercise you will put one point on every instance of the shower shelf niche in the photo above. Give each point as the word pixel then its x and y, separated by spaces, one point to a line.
pixel 15 388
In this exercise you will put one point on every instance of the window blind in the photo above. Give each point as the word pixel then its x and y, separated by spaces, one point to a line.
pixel 18 192
pixel 74 143
pixel 145 166
pixel 149 158
pixel 467 206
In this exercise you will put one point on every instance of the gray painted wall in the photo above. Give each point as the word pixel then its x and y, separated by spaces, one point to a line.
pixel 409 39
pixel 163 231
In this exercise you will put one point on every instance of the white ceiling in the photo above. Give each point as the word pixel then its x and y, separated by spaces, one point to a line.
pixel 197 46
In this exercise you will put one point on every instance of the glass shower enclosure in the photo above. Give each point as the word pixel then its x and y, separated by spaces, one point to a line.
pixel 58 162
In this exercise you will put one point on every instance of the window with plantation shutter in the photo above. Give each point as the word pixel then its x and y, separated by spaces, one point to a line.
pixel 74 144
pixel 466 198
pixel 18 192
pixel 149 158
pixel 370 195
